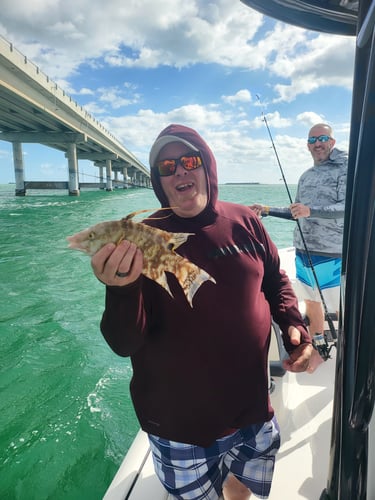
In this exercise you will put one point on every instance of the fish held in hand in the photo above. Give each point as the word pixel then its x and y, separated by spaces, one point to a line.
pixel 156 245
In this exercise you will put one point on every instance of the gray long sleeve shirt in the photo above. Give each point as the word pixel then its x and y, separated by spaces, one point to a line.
pixel 322 188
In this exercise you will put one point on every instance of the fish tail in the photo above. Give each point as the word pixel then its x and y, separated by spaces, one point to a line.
pixel 191 277
pixel 203 276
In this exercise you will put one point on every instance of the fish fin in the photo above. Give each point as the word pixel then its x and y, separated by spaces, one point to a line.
pixel 190 283
pixel 162 281
pixel 137 212
pixel 177 239
pixel 133 214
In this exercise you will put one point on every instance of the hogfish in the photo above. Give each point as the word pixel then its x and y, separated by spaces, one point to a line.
pixel 158 249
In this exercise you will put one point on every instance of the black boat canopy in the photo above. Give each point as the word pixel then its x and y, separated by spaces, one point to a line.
pixel 329 16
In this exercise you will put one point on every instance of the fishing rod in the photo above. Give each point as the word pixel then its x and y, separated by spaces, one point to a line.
pixel 319 340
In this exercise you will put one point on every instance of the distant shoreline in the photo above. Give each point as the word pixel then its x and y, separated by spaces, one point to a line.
pixel 239 183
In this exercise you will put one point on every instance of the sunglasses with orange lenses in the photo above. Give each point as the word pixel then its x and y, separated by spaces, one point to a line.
pixel 188 162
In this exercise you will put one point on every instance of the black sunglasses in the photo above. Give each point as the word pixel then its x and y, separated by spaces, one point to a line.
pixel 321 138
pixel 169 166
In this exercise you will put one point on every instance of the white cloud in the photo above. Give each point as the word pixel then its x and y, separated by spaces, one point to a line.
pixel 85 91
pixel 4 153
pixel 309 118
pixel 321 61
pixel 273 119
pixel 115 97
pixel 241 96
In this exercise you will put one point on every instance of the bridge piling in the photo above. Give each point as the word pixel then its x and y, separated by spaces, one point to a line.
pixel 125 175
pixel 19 171
pixel 108 164
pixel 73 169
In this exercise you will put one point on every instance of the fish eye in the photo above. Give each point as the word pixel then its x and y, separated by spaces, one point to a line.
pixel 91 235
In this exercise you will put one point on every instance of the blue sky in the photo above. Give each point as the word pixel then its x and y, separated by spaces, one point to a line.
pixel 137 66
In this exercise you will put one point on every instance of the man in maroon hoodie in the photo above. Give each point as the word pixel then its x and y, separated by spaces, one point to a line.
pixel 200 385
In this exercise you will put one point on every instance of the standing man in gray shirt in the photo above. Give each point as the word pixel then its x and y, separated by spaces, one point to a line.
pixel 319 206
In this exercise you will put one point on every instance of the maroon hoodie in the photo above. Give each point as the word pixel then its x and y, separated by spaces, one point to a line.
pixel 199 372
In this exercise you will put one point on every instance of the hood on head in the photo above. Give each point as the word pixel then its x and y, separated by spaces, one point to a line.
pixel 191 138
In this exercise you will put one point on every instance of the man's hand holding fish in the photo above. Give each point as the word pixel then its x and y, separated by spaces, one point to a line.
pixel 118 265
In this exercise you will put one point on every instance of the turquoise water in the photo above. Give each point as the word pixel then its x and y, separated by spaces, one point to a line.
pixel 66 419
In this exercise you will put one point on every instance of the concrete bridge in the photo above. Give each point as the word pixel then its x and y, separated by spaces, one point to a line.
pixel 33 109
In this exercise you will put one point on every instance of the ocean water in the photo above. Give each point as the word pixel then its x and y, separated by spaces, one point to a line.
pixel 66 419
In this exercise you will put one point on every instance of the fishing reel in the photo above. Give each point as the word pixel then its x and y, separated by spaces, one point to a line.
pixel 321 344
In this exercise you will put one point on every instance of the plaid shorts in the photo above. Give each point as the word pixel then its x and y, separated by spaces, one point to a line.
pixel 190 472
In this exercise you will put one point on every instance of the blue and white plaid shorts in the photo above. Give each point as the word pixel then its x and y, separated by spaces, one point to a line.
pixel 190 472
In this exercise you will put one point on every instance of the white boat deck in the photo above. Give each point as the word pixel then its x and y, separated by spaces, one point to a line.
pixel 303 406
